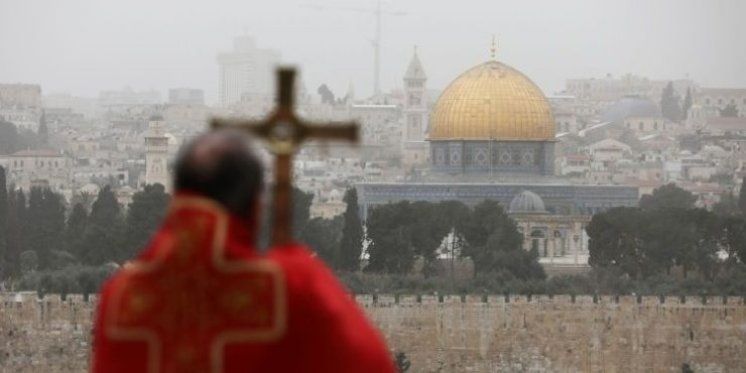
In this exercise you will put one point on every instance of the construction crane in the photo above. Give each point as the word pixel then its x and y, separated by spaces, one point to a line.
pixel 378 13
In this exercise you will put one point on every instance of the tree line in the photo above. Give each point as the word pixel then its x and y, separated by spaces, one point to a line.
pixel 667 232
pixel 402 232
pixel 50 245
pixel 42 235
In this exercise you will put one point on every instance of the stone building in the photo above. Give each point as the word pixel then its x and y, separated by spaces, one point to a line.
pixel 415 148
pixel 559 239
pixel 245 71
pixel 156 153
pixel 719 98
pixel 43 168
pixel 492 135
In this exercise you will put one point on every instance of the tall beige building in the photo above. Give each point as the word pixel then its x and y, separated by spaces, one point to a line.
pixel 246 71
pixel 415 148
pixel 156 153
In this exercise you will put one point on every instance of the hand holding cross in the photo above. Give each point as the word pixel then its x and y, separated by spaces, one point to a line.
pixel 285 132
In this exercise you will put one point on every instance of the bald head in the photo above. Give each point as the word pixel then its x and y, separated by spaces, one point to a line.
pixel 220 165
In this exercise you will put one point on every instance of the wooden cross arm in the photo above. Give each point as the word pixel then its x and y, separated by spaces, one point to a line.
pixel 333 131
pixel 328 131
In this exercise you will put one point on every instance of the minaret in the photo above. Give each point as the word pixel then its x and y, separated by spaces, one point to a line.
pixel 156 153
pixel 415 105
pixel 415 112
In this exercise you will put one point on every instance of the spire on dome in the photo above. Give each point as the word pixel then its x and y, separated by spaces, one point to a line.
pixel 415 70
pixel 493 49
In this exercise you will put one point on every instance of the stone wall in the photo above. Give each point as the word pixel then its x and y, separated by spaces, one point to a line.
pixel 456 334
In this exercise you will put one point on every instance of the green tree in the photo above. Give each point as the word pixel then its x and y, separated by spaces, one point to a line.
pixel 614 240
pixel 145 214
pixel 668 196
pixel 351 243
pixel 742 197
pixel 8 137
pixel 75 228
pixel 14 233
pixel 494 243
pixel 103 235
pixel 323 236
pixel 390 249
pixel 46 223
pixel 730 111
pixel 670 103
pixel 43 131
pixel 687 103
pixel 29 261
pixel 430 225
pixel 732 236
pixel 3 224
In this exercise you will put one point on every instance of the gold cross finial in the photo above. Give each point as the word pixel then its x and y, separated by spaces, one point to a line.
pixel 493 49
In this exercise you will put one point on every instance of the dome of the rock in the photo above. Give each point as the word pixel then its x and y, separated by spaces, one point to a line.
pixel 492 101
pixel 492 119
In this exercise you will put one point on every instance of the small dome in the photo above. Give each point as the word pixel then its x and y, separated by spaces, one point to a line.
pixel 527 202
pixel 630 106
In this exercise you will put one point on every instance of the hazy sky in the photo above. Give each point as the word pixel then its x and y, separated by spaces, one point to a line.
pixel 83 46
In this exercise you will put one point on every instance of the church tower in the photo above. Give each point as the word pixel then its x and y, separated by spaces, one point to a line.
pixel 415 148
pixel 156 153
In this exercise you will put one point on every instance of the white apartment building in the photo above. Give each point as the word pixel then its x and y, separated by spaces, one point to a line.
pixel 245 71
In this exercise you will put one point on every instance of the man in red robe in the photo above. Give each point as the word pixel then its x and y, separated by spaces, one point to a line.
pixel 200 298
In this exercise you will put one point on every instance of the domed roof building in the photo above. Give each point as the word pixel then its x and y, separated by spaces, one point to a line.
pixel 491 135
pixel 492 118
pixel 527 202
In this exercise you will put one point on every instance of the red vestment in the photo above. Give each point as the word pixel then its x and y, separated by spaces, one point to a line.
pixel 199 298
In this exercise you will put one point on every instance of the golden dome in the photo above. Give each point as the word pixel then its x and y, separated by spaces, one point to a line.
pixel 492 101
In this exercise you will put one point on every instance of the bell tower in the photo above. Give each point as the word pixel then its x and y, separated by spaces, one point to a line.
pixel 415 148
pixel 156 153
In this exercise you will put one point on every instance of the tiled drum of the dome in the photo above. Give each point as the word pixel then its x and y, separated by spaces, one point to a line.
pixel 498 119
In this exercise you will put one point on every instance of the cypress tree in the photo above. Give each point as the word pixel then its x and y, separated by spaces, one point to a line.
pixel 45 223
pixel 103 235
pixel 670 103
pixel 351 244
pixel 687 103
pixel 143 217
pixel 3 224
pixel 15 233
pixel 75 229
pixel 742 197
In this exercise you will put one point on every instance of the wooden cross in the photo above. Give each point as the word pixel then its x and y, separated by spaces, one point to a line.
pixel 285 132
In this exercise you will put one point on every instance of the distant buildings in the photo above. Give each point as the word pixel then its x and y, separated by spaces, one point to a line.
pixel 20 104
pixel 116 100
pixel 609 88
pixel 20 95
pixel 186 96
pixel 44 168
pixel 245 71
pixel 720 98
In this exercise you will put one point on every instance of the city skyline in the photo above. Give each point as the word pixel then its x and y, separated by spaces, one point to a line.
pixel 164 46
